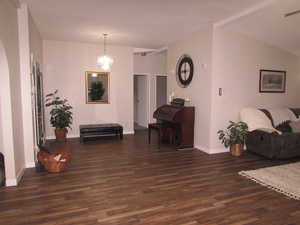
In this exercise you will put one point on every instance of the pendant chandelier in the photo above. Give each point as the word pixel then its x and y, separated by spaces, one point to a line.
pixel 105 62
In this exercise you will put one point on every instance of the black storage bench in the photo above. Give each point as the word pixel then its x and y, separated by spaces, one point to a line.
pixel 100 130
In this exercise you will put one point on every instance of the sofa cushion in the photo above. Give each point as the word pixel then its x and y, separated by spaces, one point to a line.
pixel 295 125
pixel 296 111
pixel 281 115
pixel 284 127
pixel 268 114
pixel 256 119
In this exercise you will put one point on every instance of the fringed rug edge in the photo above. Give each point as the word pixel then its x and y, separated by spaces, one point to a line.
pixel 277 189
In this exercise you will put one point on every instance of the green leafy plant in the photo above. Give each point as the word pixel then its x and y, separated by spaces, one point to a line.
pixel 234 134
pixel 61 114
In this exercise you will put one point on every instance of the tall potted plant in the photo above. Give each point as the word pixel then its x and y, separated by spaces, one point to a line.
pixel 234 137
pixel 60 115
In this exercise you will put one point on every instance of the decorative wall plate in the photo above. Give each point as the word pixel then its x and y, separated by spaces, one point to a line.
pixel 185 71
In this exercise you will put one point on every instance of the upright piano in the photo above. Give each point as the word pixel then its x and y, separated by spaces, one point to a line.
pixel 181 119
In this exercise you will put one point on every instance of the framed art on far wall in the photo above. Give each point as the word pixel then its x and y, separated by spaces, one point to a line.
pixel 272 81
pixel 97 87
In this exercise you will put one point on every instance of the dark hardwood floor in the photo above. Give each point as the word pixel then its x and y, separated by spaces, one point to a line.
pixel 130 183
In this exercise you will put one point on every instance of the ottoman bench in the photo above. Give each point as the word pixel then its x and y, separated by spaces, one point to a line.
pixel 100 130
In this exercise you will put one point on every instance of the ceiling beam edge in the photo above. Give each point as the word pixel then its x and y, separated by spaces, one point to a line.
pixel 15 3
pixel 246 12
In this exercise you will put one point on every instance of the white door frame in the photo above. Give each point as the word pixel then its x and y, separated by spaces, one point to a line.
pixel 6 120
pixel 26 62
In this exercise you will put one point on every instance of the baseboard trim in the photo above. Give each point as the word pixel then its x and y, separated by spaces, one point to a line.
pixel 68 136
pixel 218 150
pixel 77 135
pixel 202 149
pixel 14 181
pixel 30 165
pixel 212 150
pixel 11 182
pixel 50 137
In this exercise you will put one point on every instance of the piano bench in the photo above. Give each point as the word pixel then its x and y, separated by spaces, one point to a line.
pixel 159 127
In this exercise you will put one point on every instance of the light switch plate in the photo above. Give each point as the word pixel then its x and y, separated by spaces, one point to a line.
pixel 220 91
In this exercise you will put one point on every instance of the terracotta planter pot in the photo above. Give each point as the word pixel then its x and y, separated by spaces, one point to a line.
pixel 61 134
pixel 49 161
pixel 236 149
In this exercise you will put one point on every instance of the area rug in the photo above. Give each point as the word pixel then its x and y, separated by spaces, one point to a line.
pixel 284 179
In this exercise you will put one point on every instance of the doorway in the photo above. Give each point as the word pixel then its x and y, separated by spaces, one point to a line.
pixel 161 91
pixel 2 167
pixel 6 129
pixel 141 103
pixel 37 104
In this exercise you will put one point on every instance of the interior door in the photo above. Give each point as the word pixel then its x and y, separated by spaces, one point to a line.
pixel 161 91
pixel 135 100
pixel 141 100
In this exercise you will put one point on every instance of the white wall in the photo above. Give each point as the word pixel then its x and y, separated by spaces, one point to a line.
pixel 152 64
pixel 1 132
pixel 11 105
pixel 65 64
pixel 7 144
pixel 35 41
pixel 237 60
pixel 31 44
pixel 199 47
pixel 231 61
pixel 35 50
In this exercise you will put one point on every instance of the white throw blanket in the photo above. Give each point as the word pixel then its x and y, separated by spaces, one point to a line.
pixel 257 120
pixel 281 115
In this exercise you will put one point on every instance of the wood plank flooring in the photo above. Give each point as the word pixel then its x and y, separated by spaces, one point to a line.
pixel 114 182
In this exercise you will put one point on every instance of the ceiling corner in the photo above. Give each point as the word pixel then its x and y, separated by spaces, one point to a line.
pixel 15 3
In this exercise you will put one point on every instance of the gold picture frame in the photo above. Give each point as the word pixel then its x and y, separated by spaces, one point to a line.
pixel 97 87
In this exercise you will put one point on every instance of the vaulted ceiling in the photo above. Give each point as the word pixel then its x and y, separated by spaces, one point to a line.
pixel 270 25
pixel 138 23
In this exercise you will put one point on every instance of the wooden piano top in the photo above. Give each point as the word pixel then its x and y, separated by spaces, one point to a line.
pixel 172 113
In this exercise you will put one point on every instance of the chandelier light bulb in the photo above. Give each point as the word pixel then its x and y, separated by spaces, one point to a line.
pixel 105 62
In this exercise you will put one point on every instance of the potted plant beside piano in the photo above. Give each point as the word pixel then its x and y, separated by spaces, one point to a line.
pixel 234 137
pixel 60 115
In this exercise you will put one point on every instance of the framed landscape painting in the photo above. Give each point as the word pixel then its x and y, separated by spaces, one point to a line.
pixel 272 81
pixel 97 87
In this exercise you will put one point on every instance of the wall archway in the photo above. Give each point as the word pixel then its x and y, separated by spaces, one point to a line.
pixel 6 132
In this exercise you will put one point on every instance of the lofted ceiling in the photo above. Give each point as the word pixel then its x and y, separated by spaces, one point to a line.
pixel 269 24
pixel 138 23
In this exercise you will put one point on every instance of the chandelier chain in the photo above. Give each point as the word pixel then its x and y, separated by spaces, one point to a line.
pixel 104 42
pixel 105 61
